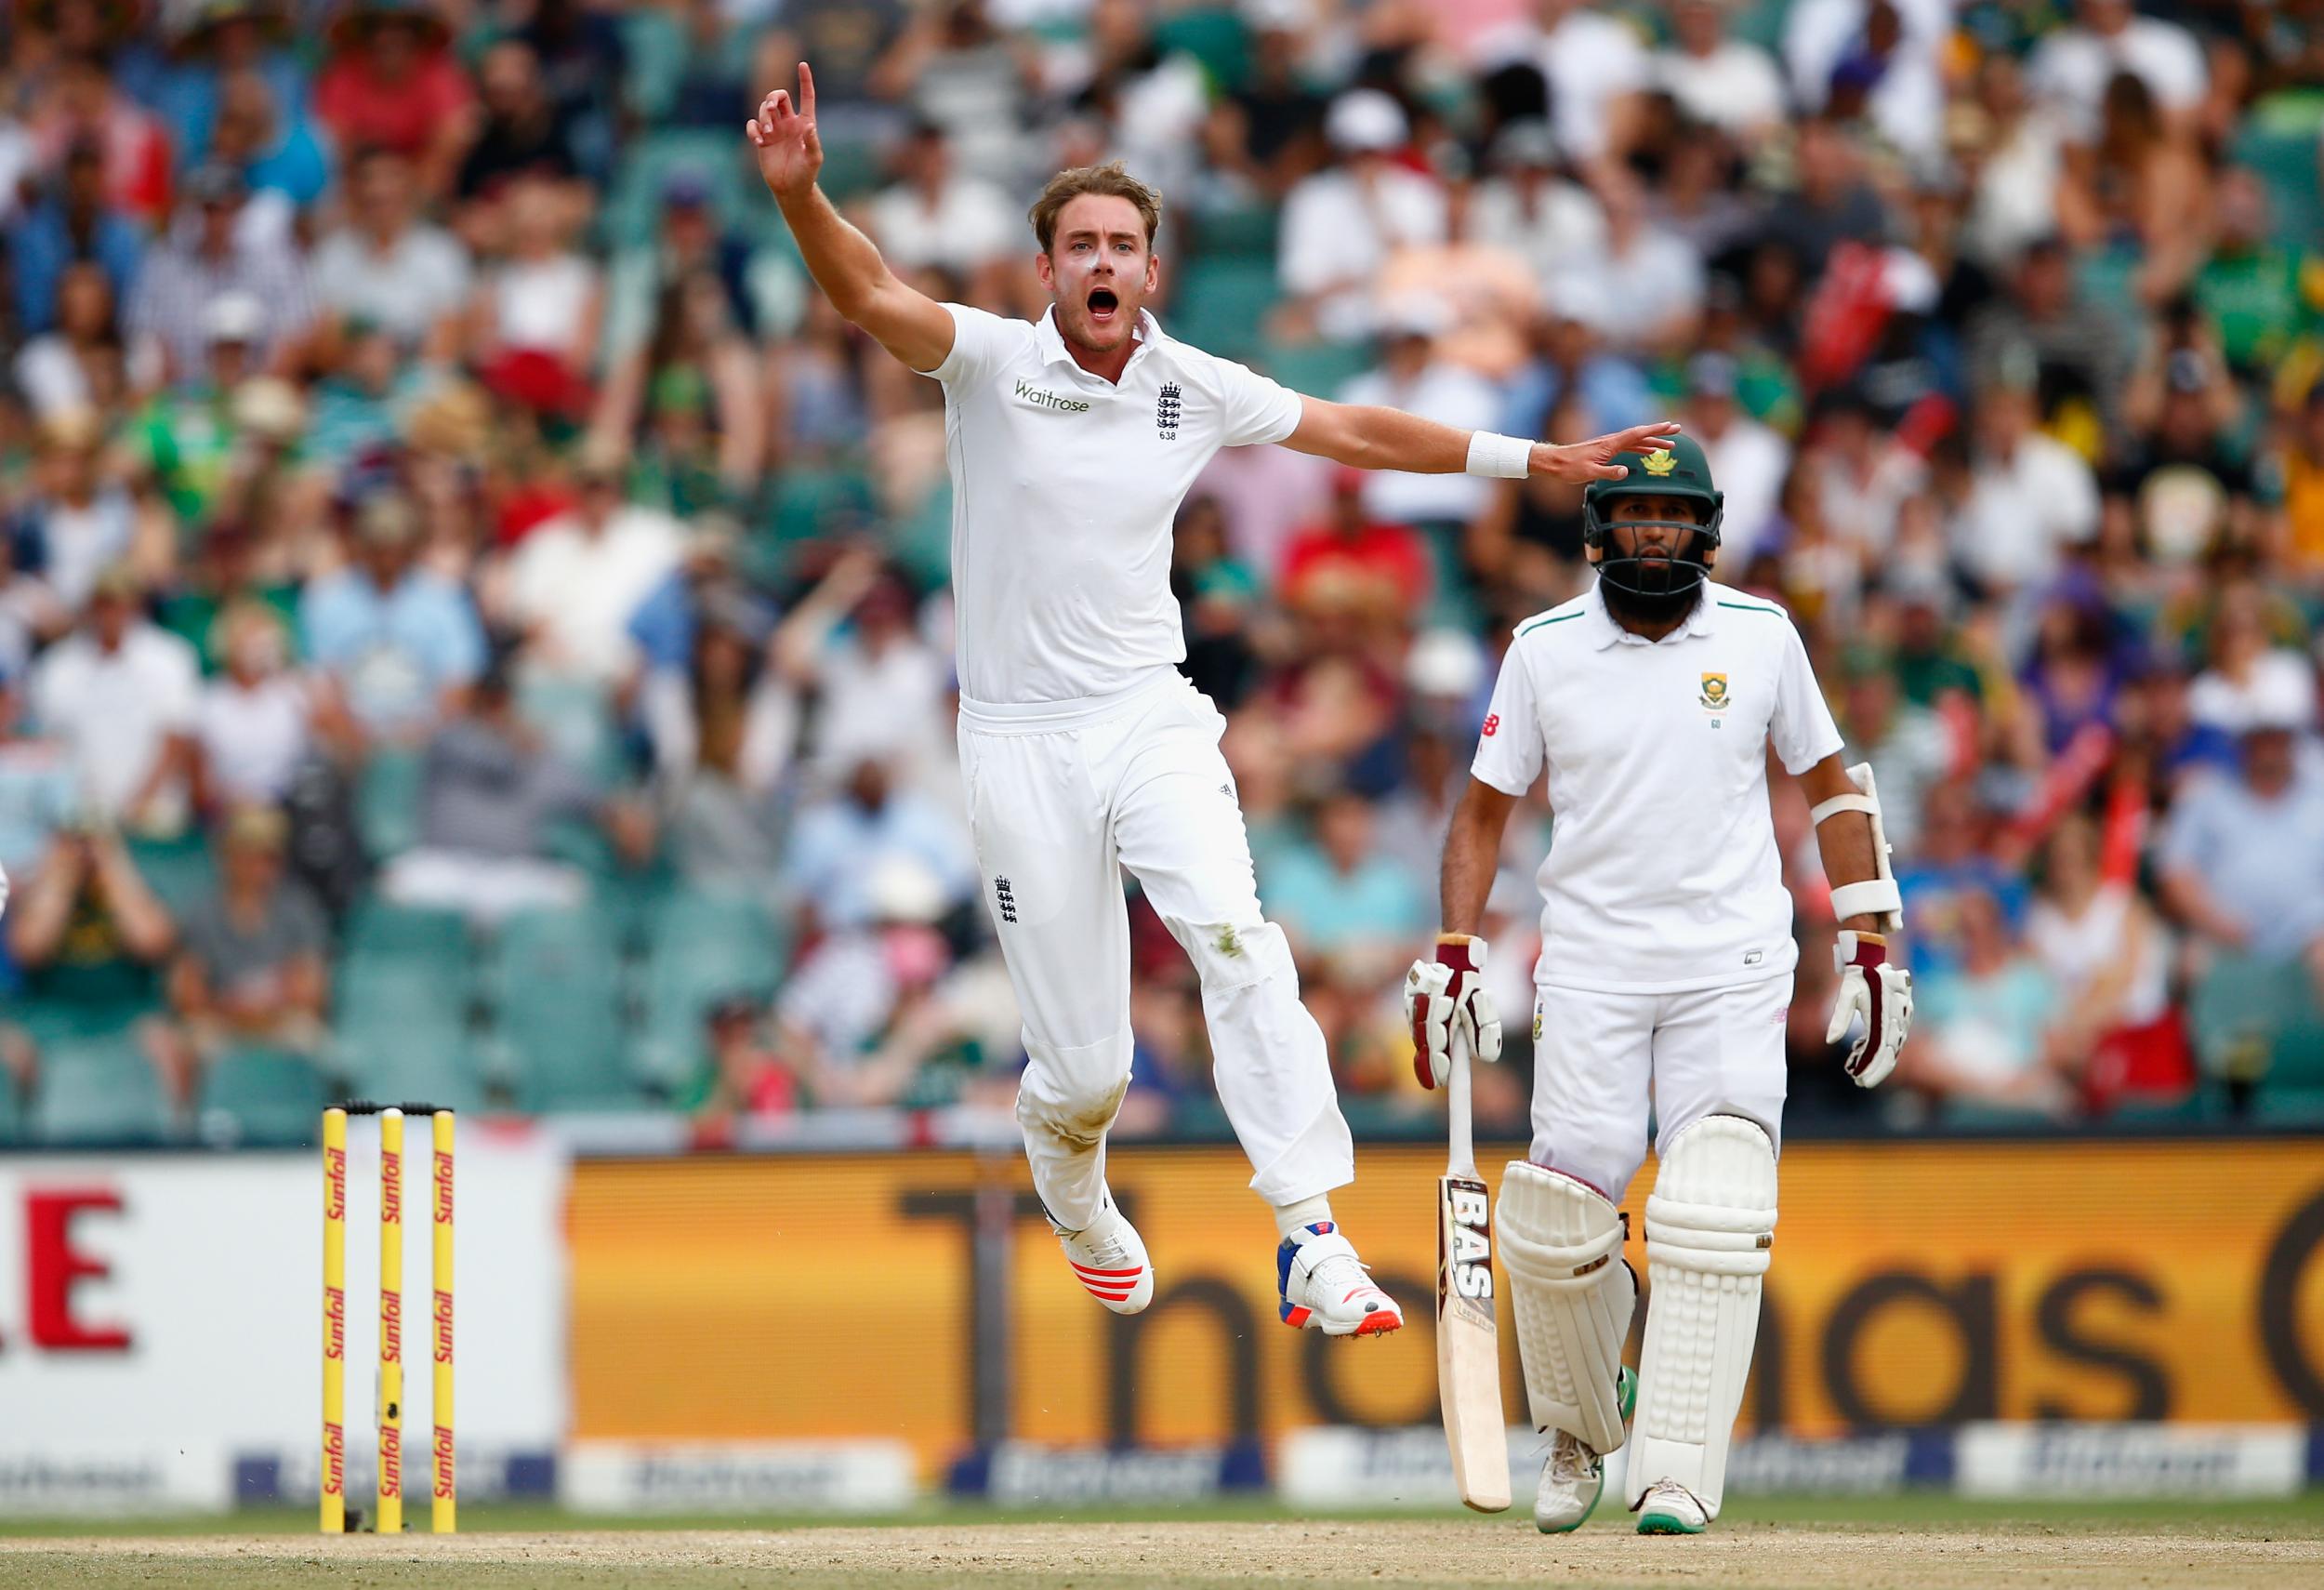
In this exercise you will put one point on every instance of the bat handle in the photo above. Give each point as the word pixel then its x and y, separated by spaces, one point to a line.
pixel 1464 1149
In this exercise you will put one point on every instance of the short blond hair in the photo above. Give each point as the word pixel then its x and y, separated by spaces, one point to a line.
pixel 1110 180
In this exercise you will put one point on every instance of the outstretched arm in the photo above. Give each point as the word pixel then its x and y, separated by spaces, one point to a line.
pixel 845 263
pixel 1371 438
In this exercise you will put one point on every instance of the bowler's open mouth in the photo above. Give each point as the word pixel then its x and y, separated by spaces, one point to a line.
pixel 1104 305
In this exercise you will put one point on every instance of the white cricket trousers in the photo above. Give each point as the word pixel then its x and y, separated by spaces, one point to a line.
pixel 1061 796
pixel 1603 1062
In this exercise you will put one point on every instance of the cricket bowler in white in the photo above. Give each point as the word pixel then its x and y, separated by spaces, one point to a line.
pixel 1071 443
pixel 1664 979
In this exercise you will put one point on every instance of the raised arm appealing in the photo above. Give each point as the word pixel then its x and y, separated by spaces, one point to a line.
pixel 1371 438
pixel 845 263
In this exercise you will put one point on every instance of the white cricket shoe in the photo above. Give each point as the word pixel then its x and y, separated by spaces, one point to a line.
pixel 1109 1260
pixel 1668 1508
pixel 1572 1475
pixel 1324 1284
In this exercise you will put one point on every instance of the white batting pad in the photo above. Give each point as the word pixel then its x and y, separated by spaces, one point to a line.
pixel 1711 1222
pixel 1562 1246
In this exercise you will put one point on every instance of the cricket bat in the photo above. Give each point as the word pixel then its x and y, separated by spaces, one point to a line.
pixel 1468 1352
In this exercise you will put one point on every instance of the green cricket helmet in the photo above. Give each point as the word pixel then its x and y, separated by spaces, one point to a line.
pixel 1674 468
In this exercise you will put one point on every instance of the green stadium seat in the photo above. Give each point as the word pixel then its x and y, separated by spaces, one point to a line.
pixel 1212 34
pixel 1319 368
pixel 12 1112
pixel 714 157
pixel 1222 305
pixel 400 1029
pixel 2289 1106
pixel 556 994
pixel 99 1092
pixel 851 167
pixel 260 1098
pixel 381 933
pixel 807 504
pixel 179 871
pixel 2238 1010
pixel 2279 141
pixel 574 720
pixel 387 802
pixel 1241 232
pixel 701 947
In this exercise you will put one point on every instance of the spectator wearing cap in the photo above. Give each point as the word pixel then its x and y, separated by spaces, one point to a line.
pixel 2031 498
pixel 690 239
pixel 2071 66
pixel 205 259
pixel 1597 68
pixel 2242 859
pixel 251 732
pixel 1885 60
pixel 389 265
pixel 185 436
pixel 73 222
pixel 745 1076
pixel 391 82
pixel 362 404
pixel 395 643
pixel 83 522
pixel 1413 377
pixel 1830 201
pixel 490 794
pixel 123 697
pixel 1526 205
pixel 1717 79
pixel 574 581
pixel 1749 461
pixel 2077 353
pixel 79 105
pixel 1340 225
pixel 252 969
pixel 2190 489
pixel 524 131
pixel 1355 566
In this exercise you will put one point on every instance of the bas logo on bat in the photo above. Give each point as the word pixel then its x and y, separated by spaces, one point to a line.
pixel 1473 1242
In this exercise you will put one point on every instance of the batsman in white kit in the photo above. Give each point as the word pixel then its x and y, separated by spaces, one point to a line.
pixel 1071 443
pixel 1664 980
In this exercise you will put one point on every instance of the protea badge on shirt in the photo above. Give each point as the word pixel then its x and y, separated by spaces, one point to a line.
pixel 1714 696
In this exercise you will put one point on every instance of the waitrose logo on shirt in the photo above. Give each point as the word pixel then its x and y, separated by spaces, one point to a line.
pixel 1040 399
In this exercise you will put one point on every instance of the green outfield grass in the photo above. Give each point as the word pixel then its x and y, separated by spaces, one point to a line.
pixel 2298 1517
pixel 1918 1542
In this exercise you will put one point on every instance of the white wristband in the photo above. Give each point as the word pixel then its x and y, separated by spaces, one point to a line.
pixel 1501 458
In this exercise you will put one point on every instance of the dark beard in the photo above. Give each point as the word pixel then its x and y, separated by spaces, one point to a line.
pixel 1650 608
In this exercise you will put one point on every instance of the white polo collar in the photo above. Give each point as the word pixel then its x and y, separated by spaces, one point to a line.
pixel 1147 333
pixel 1605 631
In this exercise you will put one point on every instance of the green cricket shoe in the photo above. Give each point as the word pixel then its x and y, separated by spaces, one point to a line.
pixel 1668 1508
pixel 1572 1477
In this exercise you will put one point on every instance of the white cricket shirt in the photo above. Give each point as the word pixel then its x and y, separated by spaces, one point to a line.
pixel 1065 489
pixel 1662 874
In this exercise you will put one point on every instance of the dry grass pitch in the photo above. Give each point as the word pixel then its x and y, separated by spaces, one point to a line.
pixel 1914 1546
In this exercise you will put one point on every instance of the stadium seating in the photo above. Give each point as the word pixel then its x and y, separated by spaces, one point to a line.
pixel 180 871
pixel 99 1091
pixel 1223 304
pixel 555 992
pixel 260 1098
pixel 702 947
pixel 2279 142
pixel 386 802
pixel 12 1112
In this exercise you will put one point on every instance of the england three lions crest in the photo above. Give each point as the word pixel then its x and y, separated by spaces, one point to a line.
pixel 1715 695
pixel 1167 408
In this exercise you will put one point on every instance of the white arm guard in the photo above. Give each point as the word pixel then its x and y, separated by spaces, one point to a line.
pixel 1877 895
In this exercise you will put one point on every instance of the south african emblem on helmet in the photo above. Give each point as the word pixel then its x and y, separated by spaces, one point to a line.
pixel 1659 462
pixel 1715 695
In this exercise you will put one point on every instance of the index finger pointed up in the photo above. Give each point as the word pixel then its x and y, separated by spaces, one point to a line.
pixel 806 91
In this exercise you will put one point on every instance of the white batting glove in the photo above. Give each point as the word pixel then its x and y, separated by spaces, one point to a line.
pixel 1448 995
pixel 1879 993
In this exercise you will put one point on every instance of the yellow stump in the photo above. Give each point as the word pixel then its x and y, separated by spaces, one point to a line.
pixel 390 1321
pixel 333 1321
pixel 446 1501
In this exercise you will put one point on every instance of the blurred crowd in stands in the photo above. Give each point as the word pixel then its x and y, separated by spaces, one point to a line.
pixel 473 622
